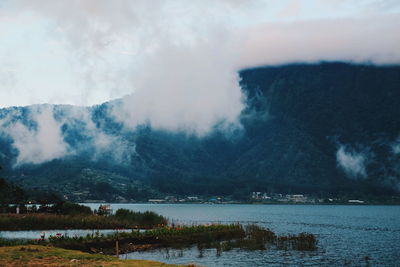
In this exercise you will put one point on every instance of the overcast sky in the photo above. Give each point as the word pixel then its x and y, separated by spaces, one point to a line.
pixel 85 52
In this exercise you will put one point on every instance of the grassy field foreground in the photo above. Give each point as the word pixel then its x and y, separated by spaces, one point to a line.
pixel 34 255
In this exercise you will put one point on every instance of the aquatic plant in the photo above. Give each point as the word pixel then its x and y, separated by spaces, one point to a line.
pixel 302 241
pixel 218 236
pixel 163 236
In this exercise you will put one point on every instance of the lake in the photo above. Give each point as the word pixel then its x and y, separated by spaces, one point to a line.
pixel 347 235
pixel 36 234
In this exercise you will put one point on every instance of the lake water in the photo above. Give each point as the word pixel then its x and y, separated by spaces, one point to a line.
pixel 348 235
pixel 35 234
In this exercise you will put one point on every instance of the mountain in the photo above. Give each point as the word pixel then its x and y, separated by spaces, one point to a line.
pixel 327 128
pixel 11 193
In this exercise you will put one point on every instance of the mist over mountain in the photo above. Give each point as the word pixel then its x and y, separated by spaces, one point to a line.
pixel 306 128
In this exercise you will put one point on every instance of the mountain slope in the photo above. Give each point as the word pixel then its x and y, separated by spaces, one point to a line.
pixel 307 128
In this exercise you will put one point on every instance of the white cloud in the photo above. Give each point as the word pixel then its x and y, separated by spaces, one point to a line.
pixel 352 162
pixel 189 88
pixel 36 144
pixel 396 147
pixel 99 142
pixel 38 138
pixel 177 61
pixel 361 40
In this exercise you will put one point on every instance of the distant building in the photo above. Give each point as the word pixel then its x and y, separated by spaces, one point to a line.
pixel 356 201
pixel 265 196
pixel 105 210
pixel 171 199
pixel 260 196
pixel 297 198
pixel 156 200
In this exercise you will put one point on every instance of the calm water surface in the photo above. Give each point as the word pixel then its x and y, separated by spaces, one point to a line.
pixel 348 235
pixel 36 234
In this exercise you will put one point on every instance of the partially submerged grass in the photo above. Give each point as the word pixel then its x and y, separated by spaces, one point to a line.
pixel 34 255
pixel 258 238
pixel 302 241
pixel 218 236
pixel 175 237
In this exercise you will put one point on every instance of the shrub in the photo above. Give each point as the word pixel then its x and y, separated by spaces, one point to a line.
pixel 147 218
pixel 68 208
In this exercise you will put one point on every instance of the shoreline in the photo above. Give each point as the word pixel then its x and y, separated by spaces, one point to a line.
pixel 243 203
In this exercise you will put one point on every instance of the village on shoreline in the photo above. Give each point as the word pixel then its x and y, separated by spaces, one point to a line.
pixel 259 198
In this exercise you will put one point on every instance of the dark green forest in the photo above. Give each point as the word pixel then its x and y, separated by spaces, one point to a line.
pixel 296 119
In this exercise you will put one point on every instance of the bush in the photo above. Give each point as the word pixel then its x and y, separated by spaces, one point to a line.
pixel 68 208
pixel 147 218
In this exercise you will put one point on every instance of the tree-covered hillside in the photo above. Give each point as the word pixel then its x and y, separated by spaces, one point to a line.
pixel 326 128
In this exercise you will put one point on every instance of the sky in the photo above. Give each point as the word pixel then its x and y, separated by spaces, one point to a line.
pixel 86 52
pixel 172 63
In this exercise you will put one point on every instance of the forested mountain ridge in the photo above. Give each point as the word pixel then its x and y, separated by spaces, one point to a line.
pixel 307 128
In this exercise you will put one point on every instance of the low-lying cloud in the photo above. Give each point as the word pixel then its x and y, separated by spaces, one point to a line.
pixel 353 163
pixel 41 142
pixel 42 133
pixel 187 89
pixel 177 61
pixel 92 139
pixel 174 63
pixel 396 147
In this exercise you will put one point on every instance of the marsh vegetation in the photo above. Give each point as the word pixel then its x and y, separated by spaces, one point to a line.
pixel 217 236
pixel 74 216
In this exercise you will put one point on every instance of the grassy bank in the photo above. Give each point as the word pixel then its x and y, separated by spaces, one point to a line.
pixel 34 255
pixel 46 221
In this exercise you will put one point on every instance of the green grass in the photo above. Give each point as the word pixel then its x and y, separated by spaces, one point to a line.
pixel 177 237
pixel 46 221
pixel 218 236
pixel 34 255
